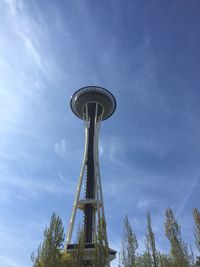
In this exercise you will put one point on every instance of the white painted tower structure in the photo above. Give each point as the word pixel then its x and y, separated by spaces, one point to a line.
pixel 92 104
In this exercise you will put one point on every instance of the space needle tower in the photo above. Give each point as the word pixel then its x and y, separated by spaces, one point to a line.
pixel 92 104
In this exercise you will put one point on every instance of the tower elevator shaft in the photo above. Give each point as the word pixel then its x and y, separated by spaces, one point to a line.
pixel 90 177
pixel 94 110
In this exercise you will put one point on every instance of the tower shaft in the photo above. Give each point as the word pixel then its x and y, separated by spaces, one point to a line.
pixel 90 176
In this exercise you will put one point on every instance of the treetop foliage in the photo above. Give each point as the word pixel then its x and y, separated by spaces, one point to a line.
pixel 51 253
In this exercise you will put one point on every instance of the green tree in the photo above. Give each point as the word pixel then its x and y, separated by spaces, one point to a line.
pixel 147 258
pixel 49 252
pixel 144 260
pixel 66 259
pixel 129 245
pixel 198 261
pixel 77 254
pixel 101 254
pixel 150 244
pixel 165 260
pixel 178 247
pixel 192 257
pixel 196 215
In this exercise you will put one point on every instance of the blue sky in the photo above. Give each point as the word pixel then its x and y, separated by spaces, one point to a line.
pixel 147 54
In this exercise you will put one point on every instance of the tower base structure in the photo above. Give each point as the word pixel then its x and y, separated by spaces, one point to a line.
pixel 89 253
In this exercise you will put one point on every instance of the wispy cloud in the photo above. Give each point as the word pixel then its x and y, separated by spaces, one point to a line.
pixel 61 148
pixel 15 6
pixel 112 149
pixel 188 195
pixel 143 204
pixel 23 66
pixel 34 37
pixel 146 204
pixel 25 186
pixel 18 237
pixel 32 49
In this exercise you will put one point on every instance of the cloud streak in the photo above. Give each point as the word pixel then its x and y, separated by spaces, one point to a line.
pixel 188 195
pixel 34 37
